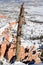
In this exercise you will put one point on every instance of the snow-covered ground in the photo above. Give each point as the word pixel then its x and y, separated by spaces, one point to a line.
pixel 32 11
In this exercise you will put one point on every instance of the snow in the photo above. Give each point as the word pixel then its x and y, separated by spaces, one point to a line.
pixel 19 63
pixel 3 28
pixel 30 29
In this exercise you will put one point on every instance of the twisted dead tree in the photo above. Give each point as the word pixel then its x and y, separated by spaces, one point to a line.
pixel 20 23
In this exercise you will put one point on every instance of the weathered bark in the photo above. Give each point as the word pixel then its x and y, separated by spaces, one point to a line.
pixel 20 23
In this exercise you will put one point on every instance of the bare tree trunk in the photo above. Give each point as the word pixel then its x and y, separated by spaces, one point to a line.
pixel 20 23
